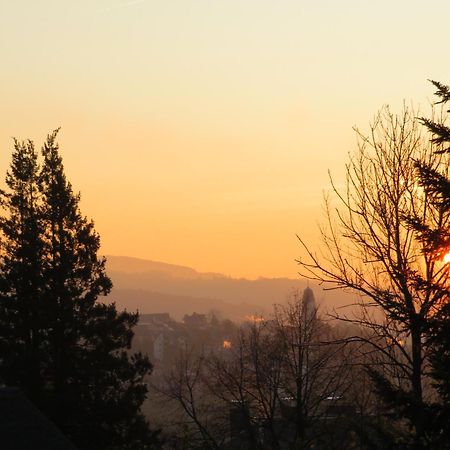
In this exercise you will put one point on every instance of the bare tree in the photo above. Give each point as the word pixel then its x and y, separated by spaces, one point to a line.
pixel 197 413
pixel 371 246
pixel 316 367
pixel 248 379
pixel 275 384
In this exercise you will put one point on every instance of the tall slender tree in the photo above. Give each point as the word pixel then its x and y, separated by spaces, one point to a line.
pixel 437 240
pixel 21 292
pixel 87 381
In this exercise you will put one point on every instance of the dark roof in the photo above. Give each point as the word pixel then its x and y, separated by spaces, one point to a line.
pixel 24 427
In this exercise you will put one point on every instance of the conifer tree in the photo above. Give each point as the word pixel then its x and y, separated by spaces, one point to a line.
pixel 21 314
pixel 437 186
pixel 88 382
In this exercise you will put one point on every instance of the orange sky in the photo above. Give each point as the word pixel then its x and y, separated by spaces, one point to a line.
pixel 200 132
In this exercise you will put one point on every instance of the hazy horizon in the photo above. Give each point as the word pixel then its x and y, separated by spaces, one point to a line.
pixel 196 270
pixel 157 287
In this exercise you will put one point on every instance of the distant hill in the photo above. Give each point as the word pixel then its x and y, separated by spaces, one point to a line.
pixel 127 264
pixel 152 286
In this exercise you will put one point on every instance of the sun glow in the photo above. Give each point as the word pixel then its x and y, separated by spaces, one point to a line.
pixel 446 258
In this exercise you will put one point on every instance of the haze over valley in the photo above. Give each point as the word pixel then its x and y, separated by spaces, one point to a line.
pixel 154 287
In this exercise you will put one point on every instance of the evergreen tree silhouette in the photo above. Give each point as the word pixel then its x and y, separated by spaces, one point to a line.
pixel 22 337
pixel 83 375
pixel 437 185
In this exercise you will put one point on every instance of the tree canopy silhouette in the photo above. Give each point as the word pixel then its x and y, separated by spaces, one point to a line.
pixel 384 241
pixel 68 351
pixel 437 186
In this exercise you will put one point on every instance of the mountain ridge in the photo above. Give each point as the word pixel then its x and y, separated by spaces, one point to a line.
pixel 151 286
pixel 130 264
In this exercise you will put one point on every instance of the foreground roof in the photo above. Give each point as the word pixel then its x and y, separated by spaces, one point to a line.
pixel 24 427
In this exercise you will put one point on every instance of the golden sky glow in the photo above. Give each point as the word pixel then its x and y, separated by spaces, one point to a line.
pixel 446 258
pixel 200 132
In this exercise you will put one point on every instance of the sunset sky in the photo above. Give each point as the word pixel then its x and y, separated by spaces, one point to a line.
pixel 200 132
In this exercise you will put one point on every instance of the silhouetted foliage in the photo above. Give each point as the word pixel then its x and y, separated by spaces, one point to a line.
pixel 440 132
pixel 437 186
pixel 66 350
pixel 386 241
